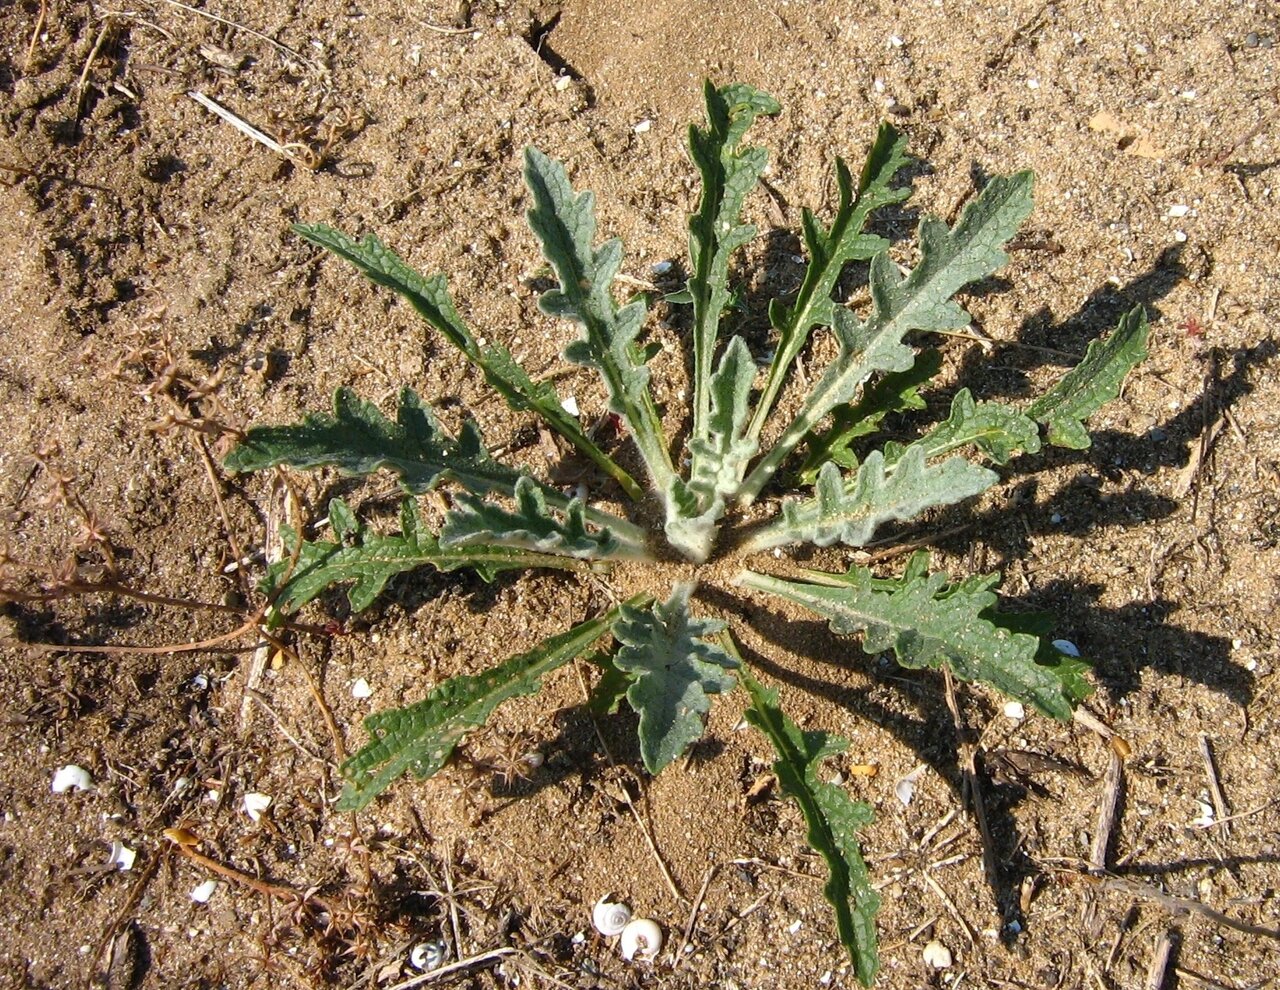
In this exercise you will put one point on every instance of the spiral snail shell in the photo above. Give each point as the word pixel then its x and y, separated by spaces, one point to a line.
pixel 610 917
pixel 641 940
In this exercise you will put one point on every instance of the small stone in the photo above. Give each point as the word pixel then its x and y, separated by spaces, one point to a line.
pixel 1015 710
pixel 1179 210
pixel 361 689
pixel 643 127
pixel 1066 647
pixel 202 893
pixel 570 405
pixel 71 777
pixel 1251 39
pixel 255 804
pixel 937 956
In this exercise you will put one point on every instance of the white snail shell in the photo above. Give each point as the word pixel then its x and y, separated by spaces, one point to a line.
pixel 609 917
pixel 428 955
pixel 641 940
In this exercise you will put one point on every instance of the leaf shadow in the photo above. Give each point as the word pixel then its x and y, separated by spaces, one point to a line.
pixel 1120 642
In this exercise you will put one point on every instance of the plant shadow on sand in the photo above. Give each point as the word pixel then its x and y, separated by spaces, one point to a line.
pixel 1119 641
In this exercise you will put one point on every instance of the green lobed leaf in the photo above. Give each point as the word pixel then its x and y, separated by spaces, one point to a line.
pixel 1092 383
pixel 430 298
pixel 928 622
pixel 672 669
pixel 851 511
pixel 949 260
pixel 420 738
pixel 729 172
pixel 565 224
pixel 995 429
pixel 531 526
pixel 718 459
pixel 897 392
pixel 829 251
pixel 832 819
pixel 369 560
pixel 357 439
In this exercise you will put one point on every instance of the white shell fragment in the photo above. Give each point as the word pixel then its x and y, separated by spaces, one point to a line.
pixel 610 917
pixel 71 777
pixel 202 893
pixel 905 789
pixel 122 857
pixel 1015 710
pixel 361 689
pixel 255 804
pixel 1178 210
pixel 1066 647
pixel 428 955
pixel 641 940
pixel 570 405
pixel 936 955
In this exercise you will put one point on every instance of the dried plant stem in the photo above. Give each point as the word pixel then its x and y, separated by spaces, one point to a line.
pixel 1112 785
pixel 277 891
pixel 1159 967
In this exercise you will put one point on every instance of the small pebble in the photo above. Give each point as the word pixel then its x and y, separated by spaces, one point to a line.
pixel 937 956
pixel 1251 39
pixel 202 893
pixel 255 804
pixel 1179 210
pixel 1066 647
pixel 570 405
pixel 643 127
pixel 361 689
pixel 1015 710
pixel 71 777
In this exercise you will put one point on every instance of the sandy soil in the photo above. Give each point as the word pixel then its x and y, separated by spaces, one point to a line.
pixel 151 276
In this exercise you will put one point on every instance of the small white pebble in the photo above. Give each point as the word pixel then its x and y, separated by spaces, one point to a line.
pixel 562 83
pixel 643 127
pixel 660 267
pixel 936 955
pixel 1180 236
pixel 1033 84
pixel 794 926
pixel 1179 210
pixel 896 41
pixel 905 789
pixel 361 690
pixel 256 803
pixel 570 405
pixel 71 777
pixel 1015 710
pixel 202 893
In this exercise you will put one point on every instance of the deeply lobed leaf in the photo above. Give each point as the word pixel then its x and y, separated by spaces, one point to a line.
pixel 357 439
pixel 430 298
pixel 672 668
pixel 851 512
pixel 564 222
pixel 729 172
pixel 928 622
pixel 832 819
pixel 949 260
pixel 829 251
pixel 531 526
pixel 369 560
pixel 1092 383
